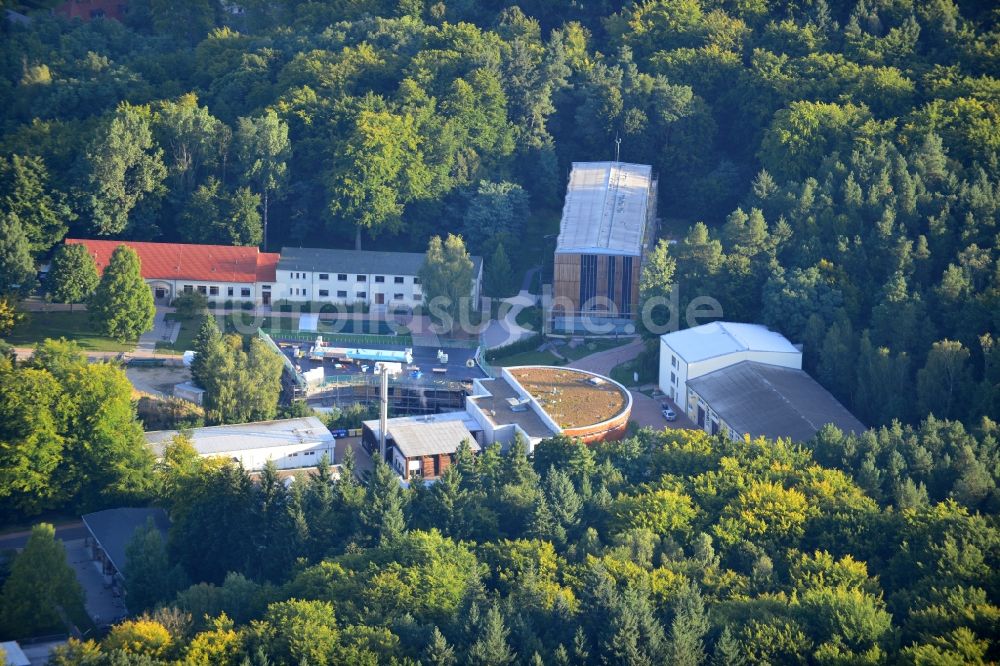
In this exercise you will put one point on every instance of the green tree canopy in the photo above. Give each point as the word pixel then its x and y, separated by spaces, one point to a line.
pixel 446 279
pixel 41 591
pixel 125 167
pixel 72 275
pixel 122 305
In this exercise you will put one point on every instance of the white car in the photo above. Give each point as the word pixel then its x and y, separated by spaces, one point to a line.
pixel 669 414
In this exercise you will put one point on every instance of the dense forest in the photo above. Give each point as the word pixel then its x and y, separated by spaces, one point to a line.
pixel 666 548
pixel 828 167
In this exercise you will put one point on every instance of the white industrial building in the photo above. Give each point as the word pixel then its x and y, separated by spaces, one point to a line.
pixel 357 276
pixel 744 379
pixel 290 443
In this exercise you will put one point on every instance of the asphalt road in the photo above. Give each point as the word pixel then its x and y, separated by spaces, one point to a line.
pixel 65 532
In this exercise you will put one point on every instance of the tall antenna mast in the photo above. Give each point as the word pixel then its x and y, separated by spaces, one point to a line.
pixel 618 147
pixel 383 411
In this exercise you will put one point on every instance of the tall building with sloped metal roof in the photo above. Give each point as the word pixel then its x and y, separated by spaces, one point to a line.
pixel 608 223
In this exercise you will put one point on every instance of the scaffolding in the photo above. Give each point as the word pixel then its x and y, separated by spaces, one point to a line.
pixel 406 396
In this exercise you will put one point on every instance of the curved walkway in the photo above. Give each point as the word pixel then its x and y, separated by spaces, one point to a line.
pixel 645 410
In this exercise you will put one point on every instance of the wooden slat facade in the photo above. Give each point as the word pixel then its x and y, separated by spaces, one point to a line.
pixel 566 282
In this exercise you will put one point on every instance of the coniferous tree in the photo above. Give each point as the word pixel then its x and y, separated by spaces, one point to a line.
pixel 41 588
pixel 728 651
pixel 491 647
pixel 73 274
pixel 383 510
pixel 122 305
pixel 150 576
pixel 438 652
pixel 499 273
pixel 687 631
pixel 17 268
pixel 208 352
pixel 563 500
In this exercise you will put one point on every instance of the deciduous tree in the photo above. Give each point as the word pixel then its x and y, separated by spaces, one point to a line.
pixel 125 167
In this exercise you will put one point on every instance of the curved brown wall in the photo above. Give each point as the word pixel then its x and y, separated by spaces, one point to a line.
pixel 612 429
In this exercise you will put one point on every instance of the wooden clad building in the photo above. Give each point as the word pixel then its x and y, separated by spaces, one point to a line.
pixel 608 222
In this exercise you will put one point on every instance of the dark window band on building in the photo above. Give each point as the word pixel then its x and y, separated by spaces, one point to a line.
pixel 611 279
pixel 588 280
pixel 626 300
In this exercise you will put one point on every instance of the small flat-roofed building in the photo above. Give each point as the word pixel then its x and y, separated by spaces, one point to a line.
pixel 608 222
pixel 696 351
pixel 219 272
pixel 109 533
pixel 290 443
pixel 759 399
pixel 538 402
pixel 423 446
pixel 13 655
pixel 189 391
pixel 358 276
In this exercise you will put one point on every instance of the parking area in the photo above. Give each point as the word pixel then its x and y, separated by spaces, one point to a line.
pixel 647 411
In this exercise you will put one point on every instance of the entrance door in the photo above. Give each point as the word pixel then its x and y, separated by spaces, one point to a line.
pixel 379 299
pixel 701 416
pixel 265 297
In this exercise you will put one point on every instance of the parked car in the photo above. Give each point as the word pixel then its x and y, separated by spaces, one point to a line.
pixel 669 414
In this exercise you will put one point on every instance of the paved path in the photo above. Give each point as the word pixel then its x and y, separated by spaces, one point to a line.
pixel 529 275
pixel 65 531
pixel 162 331
pixel 603 362
pixel 506 330
pixel 645 410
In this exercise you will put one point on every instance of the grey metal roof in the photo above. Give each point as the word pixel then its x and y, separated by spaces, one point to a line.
pixel 605 208
pixel 773 401
pixel 218 440
pixel 428 438
pixel 366 262
pixel 496 406
pixel 114 528
pixel 461 416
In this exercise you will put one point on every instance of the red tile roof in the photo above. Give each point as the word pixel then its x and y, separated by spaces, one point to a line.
pixel 180 261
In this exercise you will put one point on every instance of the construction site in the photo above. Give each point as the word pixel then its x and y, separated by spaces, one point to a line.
pixel 422 379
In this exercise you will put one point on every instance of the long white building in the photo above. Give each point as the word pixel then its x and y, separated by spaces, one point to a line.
pixel 290 443
pixel 357 276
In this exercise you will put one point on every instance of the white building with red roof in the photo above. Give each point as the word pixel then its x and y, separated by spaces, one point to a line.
pixel 220 272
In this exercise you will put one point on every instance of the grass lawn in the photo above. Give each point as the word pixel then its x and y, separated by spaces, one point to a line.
pixel 76 326
pixel 530 318
pixel 623 373
pixel 592 347
pixel 528 358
